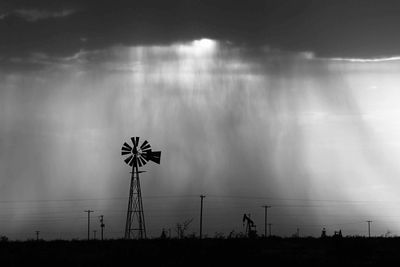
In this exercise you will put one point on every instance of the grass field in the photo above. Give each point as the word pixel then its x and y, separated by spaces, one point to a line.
pixel 207 252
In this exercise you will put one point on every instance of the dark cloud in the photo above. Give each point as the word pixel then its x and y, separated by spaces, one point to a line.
pixel 328 28
pixel 33 15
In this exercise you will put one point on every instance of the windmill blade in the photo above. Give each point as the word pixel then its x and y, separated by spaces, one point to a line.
pixel 133 161
pixel 143 161
pixel 136 162
pixel 146 150
pixel 139 162
pixel 155 156
pixel 135 141
pixel 124 149
pixel 126 146
pixel 145 146
pixel 125 152
pixel 128 159
pixel 144 157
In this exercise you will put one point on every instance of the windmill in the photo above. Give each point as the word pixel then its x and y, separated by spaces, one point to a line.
pixel 137 156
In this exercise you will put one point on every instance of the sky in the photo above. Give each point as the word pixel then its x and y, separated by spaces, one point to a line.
pixel 291 104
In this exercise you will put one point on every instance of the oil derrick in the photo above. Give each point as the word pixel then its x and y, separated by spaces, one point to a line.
pixel 251 231
pixel 138 156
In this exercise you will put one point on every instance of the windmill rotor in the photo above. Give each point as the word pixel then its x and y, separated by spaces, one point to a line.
pixel 138 156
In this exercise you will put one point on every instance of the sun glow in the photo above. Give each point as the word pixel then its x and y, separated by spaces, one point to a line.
pixel 204 44
pixel 201 47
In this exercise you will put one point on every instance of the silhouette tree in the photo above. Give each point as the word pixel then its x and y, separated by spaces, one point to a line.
pixel 182 227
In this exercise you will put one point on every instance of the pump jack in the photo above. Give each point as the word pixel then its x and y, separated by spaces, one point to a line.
pixel 251 231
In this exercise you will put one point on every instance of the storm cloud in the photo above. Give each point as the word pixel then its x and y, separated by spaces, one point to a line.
pixel 355 29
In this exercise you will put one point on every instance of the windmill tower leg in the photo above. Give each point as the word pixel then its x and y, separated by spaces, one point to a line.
pixel 135 224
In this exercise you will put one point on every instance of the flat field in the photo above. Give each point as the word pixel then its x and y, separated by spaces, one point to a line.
pixel 207 252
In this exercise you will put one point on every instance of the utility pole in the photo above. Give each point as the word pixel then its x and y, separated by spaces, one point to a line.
pixel 102 226
pixel 265 218
pixel 369 228
pixel 88 223
pixel 269 228
pixel 37 235
pixel 94 234
pixel 201 216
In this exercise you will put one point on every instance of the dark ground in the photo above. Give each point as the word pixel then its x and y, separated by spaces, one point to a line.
pixel 207 252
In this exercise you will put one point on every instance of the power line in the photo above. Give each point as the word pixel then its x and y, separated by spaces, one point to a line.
pixel 299 199
pixel 214 211
pixel 93 199
pixel 195 196
pixel 320 225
